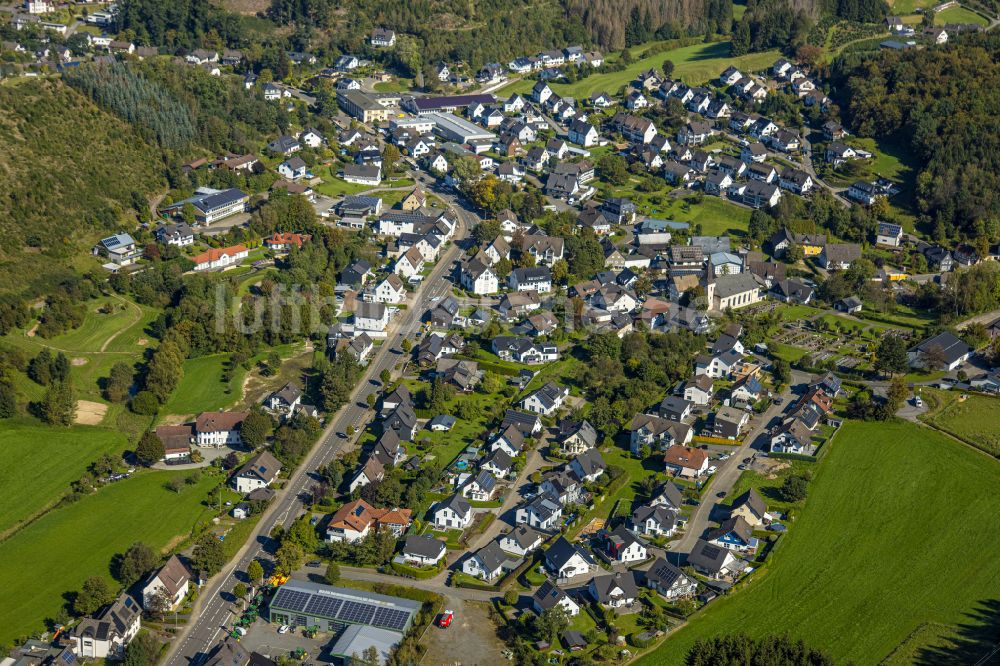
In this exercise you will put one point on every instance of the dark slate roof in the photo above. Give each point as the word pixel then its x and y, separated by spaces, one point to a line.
pixel 423 545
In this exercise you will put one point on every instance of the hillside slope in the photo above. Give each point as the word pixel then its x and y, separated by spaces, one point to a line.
pixel 68 171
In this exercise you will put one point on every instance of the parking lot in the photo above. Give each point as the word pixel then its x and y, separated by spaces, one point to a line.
pixel 263 637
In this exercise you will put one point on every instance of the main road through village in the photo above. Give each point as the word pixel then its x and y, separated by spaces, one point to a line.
pixel 212 611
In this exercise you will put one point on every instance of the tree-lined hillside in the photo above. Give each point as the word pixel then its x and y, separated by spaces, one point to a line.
pixel 69 173
pixel 944 104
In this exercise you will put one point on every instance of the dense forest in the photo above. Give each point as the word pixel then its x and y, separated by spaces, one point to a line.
pixel 785 24
pixel 69 173
pixel 178 23
pixel 944 104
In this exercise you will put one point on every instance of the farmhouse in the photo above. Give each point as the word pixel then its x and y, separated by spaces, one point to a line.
pixel 219 429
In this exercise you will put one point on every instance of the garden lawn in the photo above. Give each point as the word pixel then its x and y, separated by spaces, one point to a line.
pixel 975 420
pixel 891 539
pixel 42 461
pixel 58 552
pixel 959 15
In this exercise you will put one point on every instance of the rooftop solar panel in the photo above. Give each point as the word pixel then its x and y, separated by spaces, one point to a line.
pixel 290 600
pixel 357 613
pixel 323 606
pixel 390 618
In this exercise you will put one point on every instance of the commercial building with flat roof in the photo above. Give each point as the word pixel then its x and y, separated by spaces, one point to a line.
pixel 453 128
pixel 305 604
pixel 448 104
pixel 358 638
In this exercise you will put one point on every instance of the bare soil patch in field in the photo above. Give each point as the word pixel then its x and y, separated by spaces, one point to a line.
pixel 90 413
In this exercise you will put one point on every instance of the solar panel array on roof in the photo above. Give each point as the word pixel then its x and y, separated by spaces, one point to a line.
pixel 291 600
pixel 355 612
pixel 323 606
pixel 390 618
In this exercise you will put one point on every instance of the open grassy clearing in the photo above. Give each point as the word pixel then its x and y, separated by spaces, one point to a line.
pixel 202 388
pixel 959 15
pixel 43 461
pixel 901 7
pixel 976 419
pixel 695 64
pixel 58 552
pixel 876 554
pixel 100 342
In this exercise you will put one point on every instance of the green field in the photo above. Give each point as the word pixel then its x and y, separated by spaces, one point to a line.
pixel 55 554
pixel 202 389
pixel 975 420
pixel 695 64
pixel 894 539
pixel 43 461
pixel 904 7
pixel 959 15
pixel 100 342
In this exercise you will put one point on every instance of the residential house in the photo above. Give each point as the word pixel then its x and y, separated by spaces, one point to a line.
pixel 838 256
pixel 734 533
pixel 944 351
pixel 543 512
pixel 750 506
pixel 714 561
pixel 520 541
pixel 481 487
pixel 657 433
pixel 423 550
pixel 685 461
pixel 355 520
pixel 699 391
pixel 371 318
pixel 167 587
pixel 545 400
pixel 550 596
pixel 588 466
pixel 533 278
pixel 616 590
pixel 889 235
pixel 655 521
pixel 258 472
pixel 453 513
pixel 108 632
pixel 220 257
pixel 669 581
pixel 729 422
pixel 620 545
pixel 487 563
pixel 565 560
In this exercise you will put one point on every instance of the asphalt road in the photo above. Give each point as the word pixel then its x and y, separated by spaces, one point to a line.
pixel 212 612
pixel 729 471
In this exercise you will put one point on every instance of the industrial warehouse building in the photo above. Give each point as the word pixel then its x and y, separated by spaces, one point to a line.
pixel 453 128
pixel 304 604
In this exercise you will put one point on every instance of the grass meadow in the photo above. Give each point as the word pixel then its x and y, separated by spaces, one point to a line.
pixel 891 558
pixel 56 553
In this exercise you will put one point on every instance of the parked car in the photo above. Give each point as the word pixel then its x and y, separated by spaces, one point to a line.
pixel 446 617
pixel 283 629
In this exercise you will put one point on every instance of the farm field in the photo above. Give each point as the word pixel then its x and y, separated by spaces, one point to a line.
pixel 55 458
pixel 959 15
pixel 58 552
pixel 975 420
pixel 694 64
pixel 877 555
